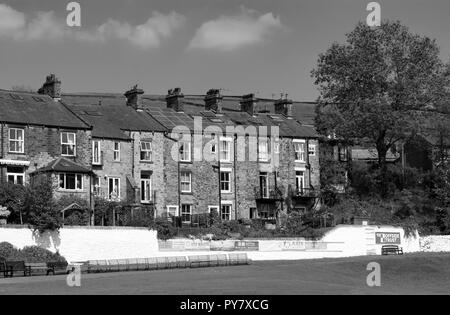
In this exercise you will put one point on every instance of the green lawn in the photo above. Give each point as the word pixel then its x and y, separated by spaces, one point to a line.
pixel 408 274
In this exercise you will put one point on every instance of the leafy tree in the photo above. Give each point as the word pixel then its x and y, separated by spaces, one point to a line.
pixel 42 212
pixel 373 86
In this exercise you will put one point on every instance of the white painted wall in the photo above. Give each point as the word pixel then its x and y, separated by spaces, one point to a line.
pixel 84 243
pixel 435 243
pixel 96 243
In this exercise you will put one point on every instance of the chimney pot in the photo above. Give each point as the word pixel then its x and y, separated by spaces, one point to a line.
pixel 213 100
pixel 174 99
pixel 284 107
pixel 248 104
pixel 51 87
pixel 134 97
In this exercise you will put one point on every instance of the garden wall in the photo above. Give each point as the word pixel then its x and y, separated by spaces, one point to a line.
pixel 93 243
pixel 84 243
pixel 435 243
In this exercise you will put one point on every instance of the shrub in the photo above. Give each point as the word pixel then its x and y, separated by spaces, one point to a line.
pixel 6 249
pixel 164 228
pixel 36 254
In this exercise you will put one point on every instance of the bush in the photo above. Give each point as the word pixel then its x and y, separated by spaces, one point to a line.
pixel 36 254
pixel 29 254
pixel 164 228
pixel 6 249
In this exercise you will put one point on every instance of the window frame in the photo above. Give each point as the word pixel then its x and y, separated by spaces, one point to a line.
pixel 223 181
pixel 118 187
pixel 16 176
pixel 146 150
pixel 184 182
pixel 143 193
pixel 185 156
pixel 76 175
pixel 301 152
pixel 227 157
pixel 263 156
pixel 21 143
pixel 313 151
pixel 183 213
pixel 99 162
pixel 116 151
pixel 230 207
pixel 177 210
pixel 69 144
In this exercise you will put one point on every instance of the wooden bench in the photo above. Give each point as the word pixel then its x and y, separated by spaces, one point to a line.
pixel 37 267
pixel 54 266
pixel 391 249
pixel 17 266
pixel 200 261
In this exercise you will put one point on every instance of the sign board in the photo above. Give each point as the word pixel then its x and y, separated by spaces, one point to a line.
pixel 387 238
pixel 246 245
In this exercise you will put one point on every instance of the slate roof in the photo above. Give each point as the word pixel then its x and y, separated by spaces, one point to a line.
pixel 63 165
pixel 160 118
pixel 35 109
pixel 109 116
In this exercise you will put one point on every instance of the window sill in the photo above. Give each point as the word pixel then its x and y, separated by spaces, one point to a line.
pixel 186 192
pixel 16 153
pixel 142 161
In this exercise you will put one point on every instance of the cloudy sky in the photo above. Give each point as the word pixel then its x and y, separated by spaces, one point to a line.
pixel 261 46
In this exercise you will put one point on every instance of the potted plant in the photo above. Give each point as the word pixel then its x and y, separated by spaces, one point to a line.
pixel 4 213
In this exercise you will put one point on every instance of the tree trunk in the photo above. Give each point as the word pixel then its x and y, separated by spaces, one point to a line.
pixel 382 164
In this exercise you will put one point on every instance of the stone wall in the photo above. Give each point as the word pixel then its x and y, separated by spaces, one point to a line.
pixel 435 243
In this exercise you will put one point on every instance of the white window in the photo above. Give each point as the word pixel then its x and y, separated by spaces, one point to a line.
pixel 70 181
pixel 16 140
pixel 225 212
pixel 185 151
pixel 172 211
pixel 276 146
pixel 225 150
pixel 113 188
pixel 299 148
pixel 312 149
pixel 96 185
pixel 146 188
pixel 264 184
pixel 263 148
pixel 116 151
pixel 225 181
pixel 213 208
pixel 300 181
pixel 186 213
pixel 186 182
pixel 96 153
pixel 68 144
pixel 146 151
pixel 15 175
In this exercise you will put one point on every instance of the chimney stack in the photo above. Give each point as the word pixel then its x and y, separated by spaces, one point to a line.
pixel 51 87
pixel 248 104
pixel 284 107
pixel 174 99
pixel 134 97
pixel 213 101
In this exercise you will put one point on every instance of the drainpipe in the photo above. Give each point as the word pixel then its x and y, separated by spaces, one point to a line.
pixel 3 152
pixel 235 179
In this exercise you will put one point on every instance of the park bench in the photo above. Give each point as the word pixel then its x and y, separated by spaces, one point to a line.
pixel 17 266
pixel 238 259
pixel 200 261
pixel 37 267
pixel 55 266
pixel 391 249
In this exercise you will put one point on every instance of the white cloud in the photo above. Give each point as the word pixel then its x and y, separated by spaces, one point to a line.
pixel 46 26
pixel 11 20
pixel 228 33
pixel 147 35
